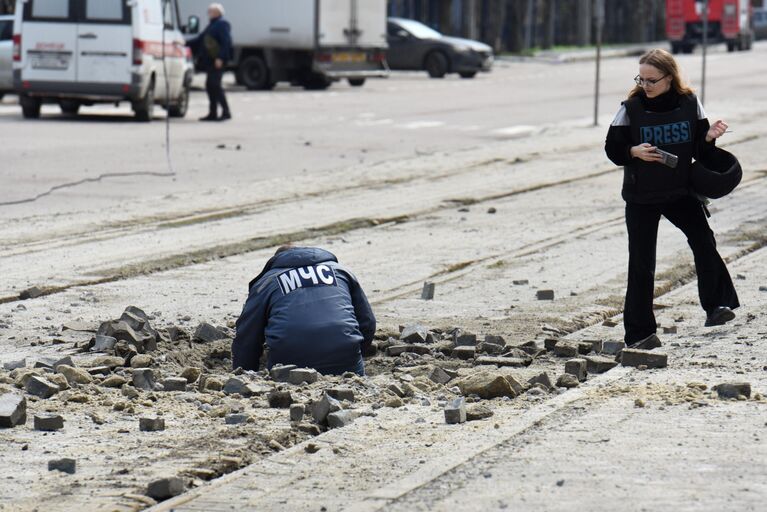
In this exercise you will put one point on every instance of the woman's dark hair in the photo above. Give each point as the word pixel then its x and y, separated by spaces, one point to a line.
pixel 666 64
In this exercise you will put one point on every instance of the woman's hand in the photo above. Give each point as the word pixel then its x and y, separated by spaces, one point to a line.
pixel 646 152
pixel 717 130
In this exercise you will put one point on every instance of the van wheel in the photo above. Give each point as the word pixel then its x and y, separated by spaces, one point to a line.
pixel 69 107
pixel 316 82
pixel 30 107
pixel 468 74
pixel 436 64
pixel 144 108
pixel 253 73
pixel 182 104
pixel 356 82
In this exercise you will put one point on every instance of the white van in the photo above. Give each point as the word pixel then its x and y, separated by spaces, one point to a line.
pixel 81 52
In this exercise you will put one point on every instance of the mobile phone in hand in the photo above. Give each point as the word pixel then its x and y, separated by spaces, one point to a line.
pixel 669 159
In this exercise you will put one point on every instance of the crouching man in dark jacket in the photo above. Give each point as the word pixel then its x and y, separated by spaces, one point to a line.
pixel 309 310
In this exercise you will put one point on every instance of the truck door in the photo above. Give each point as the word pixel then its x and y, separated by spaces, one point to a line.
pixel 337 24
pixel 49 41
pixel 371 23
pixel 105 42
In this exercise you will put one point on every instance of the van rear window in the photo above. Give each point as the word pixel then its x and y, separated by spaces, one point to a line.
pixel 108 10
pixel 50 9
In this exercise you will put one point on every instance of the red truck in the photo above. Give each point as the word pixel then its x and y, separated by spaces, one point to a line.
pixel 729 21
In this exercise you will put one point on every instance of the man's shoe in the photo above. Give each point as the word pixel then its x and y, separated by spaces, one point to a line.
pixel 225 116
pixel 720 316
pixel 209 117
pixel 648 343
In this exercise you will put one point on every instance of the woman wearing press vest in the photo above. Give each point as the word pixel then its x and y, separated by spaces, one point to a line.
pixel 662 113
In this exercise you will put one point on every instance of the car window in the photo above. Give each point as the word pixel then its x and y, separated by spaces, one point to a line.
pixel 104 10
pixel 419 30
pixel 49 9
pixel 6 30
pixel 168 17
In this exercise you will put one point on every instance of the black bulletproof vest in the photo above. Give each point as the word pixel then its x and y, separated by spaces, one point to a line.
pixel 673 132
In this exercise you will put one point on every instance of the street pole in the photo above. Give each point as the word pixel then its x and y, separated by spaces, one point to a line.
pixel 705 51
pixel 599 15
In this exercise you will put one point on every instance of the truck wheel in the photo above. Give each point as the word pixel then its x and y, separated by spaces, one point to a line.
pixel 144 108
pixel 676 48
pixel 179 108
pixel 30 107
pixel 69 107
pixel 688 48
pixel 468 74
pixel 1 96
pixel 730 46
pixel 436 64
pixel 356 82
pixel 316 82
pixel 253 73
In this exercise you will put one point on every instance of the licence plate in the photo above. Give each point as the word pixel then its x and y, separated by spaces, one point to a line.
pixel 350 57
pixel 50 60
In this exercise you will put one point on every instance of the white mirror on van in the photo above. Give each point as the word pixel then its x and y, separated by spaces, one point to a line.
pixel 192 25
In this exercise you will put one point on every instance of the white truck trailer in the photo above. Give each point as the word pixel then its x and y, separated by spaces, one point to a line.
pixel 310 43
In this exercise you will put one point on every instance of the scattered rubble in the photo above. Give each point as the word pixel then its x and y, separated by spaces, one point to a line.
pixel 478 412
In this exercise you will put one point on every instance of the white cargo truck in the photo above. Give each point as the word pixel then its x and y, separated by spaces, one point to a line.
pixel 305 42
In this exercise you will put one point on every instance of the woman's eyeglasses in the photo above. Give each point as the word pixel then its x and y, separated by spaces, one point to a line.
pixel 647 82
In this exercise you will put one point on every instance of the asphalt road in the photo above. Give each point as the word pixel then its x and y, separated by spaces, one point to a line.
pixel 289 132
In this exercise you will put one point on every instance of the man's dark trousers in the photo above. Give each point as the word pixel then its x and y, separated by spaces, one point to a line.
pixel 215 92
pixel 715 286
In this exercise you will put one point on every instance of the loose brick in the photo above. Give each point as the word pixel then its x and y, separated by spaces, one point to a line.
pixel 733 389
pixel 600 364
pixel 464 352
pixel 566 349
pixel 341 394
pixel 612 347
pixel 577 367
pixel 41 387
pixel 165 488
pixel 650 359
pixel 174 384
pixel 455 411
pixel 303 375
pixel 48 422
pixel 64 465
pixel 545 294
pixel 151 424
pixel 13 410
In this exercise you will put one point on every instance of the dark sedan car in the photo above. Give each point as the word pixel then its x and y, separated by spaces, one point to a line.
pixel 414 46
